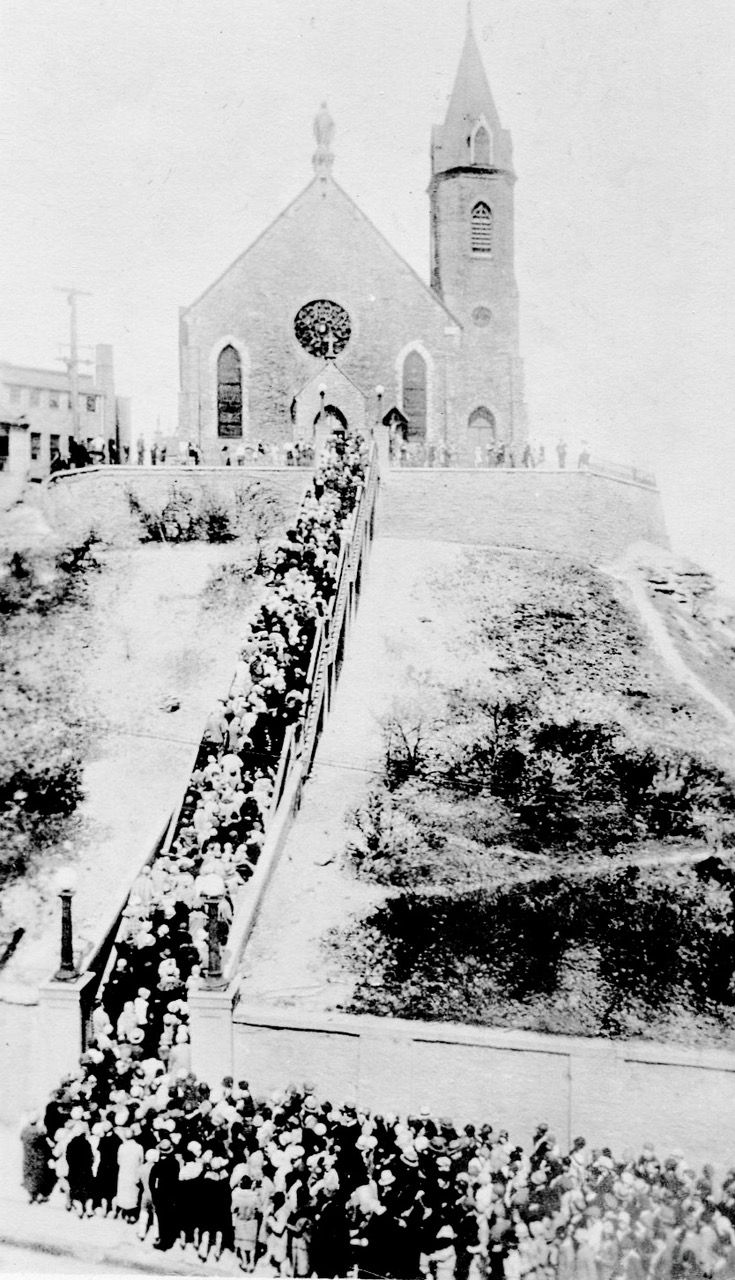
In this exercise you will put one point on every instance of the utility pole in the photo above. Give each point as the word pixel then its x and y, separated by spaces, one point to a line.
pixel 72 361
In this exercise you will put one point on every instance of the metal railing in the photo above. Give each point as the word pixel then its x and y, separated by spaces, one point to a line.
pixel 418 456
pixel 295 757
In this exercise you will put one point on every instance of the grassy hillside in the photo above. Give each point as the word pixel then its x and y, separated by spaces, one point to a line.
pixel 545 821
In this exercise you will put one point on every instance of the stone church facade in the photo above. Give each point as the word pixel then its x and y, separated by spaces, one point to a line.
pixel 321 292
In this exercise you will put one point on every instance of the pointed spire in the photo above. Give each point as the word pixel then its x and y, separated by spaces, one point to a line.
pixel 470 106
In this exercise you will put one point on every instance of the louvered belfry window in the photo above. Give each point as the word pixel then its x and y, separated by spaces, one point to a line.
pixel 229 394
pixel 482 228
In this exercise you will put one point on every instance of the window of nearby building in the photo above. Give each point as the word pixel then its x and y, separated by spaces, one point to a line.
pixel 4 448
pixel 481 419
pixel 482 148
pixel 35 446
pixel 35 397
pixel 14 395
pixel 91 404
pixel 482 228
pixel 415 395
pixel 54 445
pixel 54 399
pixel 229 393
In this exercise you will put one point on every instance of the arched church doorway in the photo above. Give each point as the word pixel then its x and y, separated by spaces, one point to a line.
pixel 483 421
pixel 415 395
pixel 330 411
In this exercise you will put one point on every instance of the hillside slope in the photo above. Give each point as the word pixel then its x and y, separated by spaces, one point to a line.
pixel 545 820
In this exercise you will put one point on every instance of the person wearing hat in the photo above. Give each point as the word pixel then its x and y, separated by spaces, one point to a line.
pixel 130 1156
pixel 245 1203
pixel 443 1257
pixel 38 1176
pixel 216 1209
pixel 164 1188
pixel 330 1239
pixel 79 1164
pixel 105 1178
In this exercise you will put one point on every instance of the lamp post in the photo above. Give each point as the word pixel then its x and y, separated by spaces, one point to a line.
pixel 66 884
pixel 212 889
pixel 379 393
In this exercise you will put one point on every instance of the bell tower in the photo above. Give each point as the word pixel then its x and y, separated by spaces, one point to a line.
pixel 472 267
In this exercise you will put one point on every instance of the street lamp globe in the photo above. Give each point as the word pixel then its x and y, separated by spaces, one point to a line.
pixel 211 885
pixel 65 880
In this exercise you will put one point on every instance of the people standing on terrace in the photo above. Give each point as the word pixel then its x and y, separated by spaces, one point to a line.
pixel 321 1188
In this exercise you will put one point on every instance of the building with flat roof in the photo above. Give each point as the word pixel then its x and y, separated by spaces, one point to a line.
pixel 36 419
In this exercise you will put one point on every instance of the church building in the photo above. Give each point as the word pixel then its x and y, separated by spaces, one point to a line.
pixel 321 315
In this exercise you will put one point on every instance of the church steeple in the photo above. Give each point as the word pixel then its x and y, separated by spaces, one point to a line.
pixel 471 195
pixel 471 112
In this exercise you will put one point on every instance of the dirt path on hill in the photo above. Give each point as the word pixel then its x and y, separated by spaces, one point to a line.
pixel 664 645
pixel 146 645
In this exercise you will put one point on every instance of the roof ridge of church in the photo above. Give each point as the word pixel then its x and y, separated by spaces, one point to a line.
pixel 426 287
pixel 320 179
pixel 244 252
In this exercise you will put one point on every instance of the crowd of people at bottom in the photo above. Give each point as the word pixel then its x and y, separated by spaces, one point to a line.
pixel 295 1185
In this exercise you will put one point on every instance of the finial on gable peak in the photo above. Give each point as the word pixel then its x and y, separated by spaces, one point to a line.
pixel 323 157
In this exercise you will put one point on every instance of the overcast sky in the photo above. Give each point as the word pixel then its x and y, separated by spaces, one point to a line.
pixel 144 144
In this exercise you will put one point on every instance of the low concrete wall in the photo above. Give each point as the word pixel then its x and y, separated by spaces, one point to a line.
pixel 97 496
pixel 22 1045
pixel 619 1093
pixel 573 513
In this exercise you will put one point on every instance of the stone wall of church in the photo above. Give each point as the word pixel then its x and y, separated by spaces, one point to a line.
pixel 321 247
pixel 481 291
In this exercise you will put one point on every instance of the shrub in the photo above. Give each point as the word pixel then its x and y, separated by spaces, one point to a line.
pixel 41 580
pixel 650 943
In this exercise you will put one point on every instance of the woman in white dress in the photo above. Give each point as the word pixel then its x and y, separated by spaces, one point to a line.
pixel 130 1156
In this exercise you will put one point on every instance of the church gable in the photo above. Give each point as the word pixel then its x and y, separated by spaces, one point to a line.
pixel 321 249
pixel 315 238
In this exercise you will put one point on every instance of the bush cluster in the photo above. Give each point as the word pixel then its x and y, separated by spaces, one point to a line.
pixel 506 806
pixel 641 944
pixel 515 778
pixel 41 580
pixel 195 512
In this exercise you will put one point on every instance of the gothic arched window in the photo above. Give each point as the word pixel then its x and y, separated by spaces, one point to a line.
pixel 415 395
pixel 481 419
pixel 482 147
pixel 481 223
pixel 229 394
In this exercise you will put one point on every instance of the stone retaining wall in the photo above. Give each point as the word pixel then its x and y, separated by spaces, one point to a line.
pixel 586 516
pixel 97 496
pixel 616 1093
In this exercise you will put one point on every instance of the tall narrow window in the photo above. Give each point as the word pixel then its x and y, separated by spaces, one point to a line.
pixel 229 394
pixel 482 149
pixel 482 228
pixel 414 395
